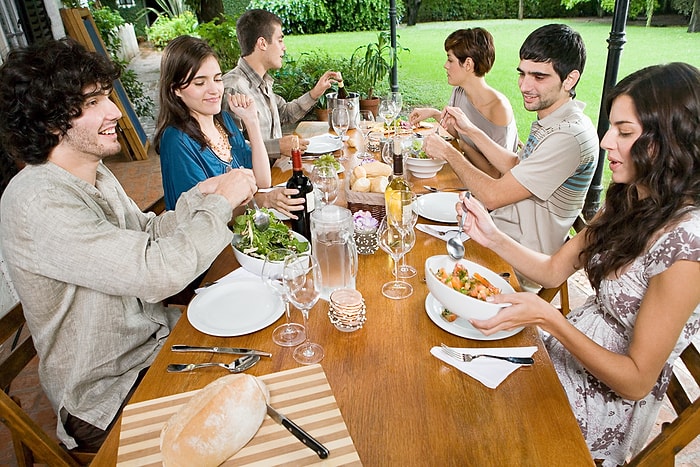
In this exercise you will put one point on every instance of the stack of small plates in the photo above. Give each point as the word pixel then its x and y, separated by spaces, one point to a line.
pixel 347 310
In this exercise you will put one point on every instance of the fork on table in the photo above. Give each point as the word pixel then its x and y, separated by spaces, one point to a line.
pixel 465 357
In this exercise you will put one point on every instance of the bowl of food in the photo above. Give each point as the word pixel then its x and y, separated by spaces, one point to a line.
pixel 423 167
pixel 251 246
pixel 463 286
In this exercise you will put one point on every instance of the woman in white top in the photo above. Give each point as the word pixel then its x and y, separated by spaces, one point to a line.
pixel 470 56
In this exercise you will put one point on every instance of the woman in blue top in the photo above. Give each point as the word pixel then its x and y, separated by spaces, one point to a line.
pixel 194 138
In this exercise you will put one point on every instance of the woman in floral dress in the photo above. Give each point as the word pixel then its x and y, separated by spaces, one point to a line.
pixel 614 355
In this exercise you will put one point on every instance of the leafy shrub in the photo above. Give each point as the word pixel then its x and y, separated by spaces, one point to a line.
pixel 165 29
pixel 221 37
pixel 299 16
pixel 363 15
pixel 235 8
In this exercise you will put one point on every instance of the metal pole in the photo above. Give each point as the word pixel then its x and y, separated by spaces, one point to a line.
pixel 394 78
pixel 615 43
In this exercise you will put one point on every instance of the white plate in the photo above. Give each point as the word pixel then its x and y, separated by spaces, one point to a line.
pixel 460 327
pixel 322 144
pixel 438 207
pixel 234 308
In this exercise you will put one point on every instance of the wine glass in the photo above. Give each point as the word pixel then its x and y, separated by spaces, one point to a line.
pixel 391 241
pixel 396 99
pixel 302 276
pixel 401 215
pixel 406 271
pixel 340 119
pixel 326 183
pixel 288 334
pixel 365 123
pixel 387 111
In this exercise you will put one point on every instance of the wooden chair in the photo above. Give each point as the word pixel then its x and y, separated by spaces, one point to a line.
pixel 548 294
pixel 28 438
pixel 675 435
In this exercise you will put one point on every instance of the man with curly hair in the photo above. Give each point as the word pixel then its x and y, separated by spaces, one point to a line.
pixel 89 267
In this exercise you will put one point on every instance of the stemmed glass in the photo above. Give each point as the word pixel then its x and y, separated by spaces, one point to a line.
pixel 325 181
pixel 397 100
pixel 340 119
pixel 288 334
pixel 392 241
pixel 365 124
pixel 302 276
pixel 387 110
pixel 407 271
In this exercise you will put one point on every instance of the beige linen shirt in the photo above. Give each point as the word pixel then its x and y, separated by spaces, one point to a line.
pixel 273 111
pixel 90 269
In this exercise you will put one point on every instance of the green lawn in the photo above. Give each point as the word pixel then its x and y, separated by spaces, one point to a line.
pixel 422 79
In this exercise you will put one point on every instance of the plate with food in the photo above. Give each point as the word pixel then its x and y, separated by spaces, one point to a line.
pixel 234 308
pixel 438 207
pixel 322 144
pixel 450 322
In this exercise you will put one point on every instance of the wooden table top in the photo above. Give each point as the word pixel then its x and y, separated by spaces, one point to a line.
pixel 401 405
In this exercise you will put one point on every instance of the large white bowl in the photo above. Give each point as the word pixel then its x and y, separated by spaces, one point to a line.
pixel 253 264
pixel 462 305
pixel 423 168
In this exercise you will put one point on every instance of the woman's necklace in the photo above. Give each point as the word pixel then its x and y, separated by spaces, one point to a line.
pixel 222 148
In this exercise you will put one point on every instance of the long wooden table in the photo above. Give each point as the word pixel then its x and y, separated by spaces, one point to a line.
pixel 401 405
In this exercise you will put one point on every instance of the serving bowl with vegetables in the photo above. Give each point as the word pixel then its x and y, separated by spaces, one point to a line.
pixel 463 286
pixel 419 163
pixel 251 246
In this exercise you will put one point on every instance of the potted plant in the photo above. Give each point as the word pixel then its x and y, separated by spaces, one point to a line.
pixel 371 64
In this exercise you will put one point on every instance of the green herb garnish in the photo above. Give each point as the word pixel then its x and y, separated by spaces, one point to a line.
pixel 258 244
pixel 327 160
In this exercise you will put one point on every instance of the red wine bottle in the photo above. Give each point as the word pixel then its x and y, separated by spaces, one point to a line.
pixel 301 182
pixel 342 92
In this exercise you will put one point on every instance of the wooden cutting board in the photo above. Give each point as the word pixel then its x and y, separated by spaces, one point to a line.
pixel 302 394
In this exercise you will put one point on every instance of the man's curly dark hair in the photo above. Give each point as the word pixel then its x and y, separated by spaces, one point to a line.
pixel 42 88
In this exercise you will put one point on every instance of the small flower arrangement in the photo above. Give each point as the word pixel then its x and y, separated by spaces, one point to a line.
pixel 364 222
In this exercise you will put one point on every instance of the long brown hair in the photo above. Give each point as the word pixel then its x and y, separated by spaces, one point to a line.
pixel 666 157
pixel 182 58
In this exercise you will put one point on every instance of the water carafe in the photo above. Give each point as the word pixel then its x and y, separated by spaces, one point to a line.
pixel 333 246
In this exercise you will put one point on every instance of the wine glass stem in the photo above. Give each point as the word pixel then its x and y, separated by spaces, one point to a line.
pixel 308 352
pixel 287 312
pixel 396 261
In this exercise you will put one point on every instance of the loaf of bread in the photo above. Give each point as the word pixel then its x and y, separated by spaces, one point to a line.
pixel 377 169
pixel 216 423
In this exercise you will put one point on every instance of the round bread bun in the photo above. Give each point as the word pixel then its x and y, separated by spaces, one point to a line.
pixel 378 184
pixel 216 423
pixel 361 184
pixel 359 172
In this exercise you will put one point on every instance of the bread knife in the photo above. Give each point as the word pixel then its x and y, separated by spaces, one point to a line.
pixel 301 435
pixel 231 350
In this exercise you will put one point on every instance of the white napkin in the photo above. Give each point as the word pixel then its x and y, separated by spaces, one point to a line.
pixel 433 230
pixel 235 275
pixel 489 371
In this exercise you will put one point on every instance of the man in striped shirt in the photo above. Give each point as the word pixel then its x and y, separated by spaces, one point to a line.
pixel 543 187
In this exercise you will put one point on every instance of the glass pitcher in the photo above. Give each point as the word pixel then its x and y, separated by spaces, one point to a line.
pixel 333 246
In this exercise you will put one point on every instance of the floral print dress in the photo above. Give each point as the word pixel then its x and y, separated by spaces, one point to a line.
pixel 617 428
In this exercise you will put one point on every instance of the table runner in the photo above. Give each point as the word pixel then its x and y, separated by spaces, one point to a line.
pixel 303 394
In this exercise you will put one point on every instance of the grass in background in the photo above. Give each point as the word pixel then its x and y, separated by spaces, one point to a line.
pixel 423 82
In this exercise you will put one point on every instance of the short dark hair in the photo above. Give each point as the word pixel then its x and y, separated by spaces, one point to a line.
pixel 474 43
pixel 559 45
pixel 253 24
pixel 42 88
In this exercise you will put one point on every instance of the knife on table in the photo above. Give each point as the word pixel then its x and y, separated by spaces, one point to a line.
pixel 231 350
pixel 301 435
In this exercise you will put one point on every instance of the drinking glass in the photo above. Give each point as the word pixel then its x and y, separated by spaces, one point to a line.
pixel 387 111
pixel 406 271
pixel 391 241
pixel 302 276
pixel 396 99
pixel 365 124
pixel 326 184
pixel 288 334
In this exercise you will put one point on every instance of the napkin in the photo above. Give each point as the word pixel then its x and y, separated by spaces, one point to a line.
pixel 489 371
pixel 235 275
pixel 434 230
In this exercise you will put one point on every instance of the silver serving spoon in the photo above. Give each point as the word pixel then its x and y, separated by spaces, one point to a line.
pixel 432 189
pixel 236 366
pixel 455 246
pixel 260 218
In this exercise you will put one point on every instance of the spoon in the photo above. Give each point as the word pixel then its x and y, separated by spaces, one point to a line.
pixel 237 366
pixel 261 219
pixel 432 189
pixel 455 247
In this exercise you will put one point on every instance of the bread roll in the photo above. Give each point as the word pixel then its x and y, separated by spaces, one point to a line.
pixel 378 184
pixel 359 172
pixel 361 184
pixel 377 169
pixel 216 423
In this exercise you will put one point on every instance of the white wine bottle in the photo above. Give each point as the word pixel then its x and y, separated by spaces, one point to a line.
pixel 397 182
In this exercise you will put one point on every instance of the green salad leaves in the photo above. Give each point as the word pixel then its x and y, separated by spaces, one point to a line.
pixel 258 244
